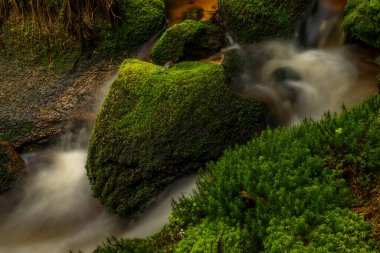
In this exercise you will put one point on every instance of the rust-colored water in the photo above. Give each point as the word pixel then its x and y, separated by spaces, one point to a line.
pixel 179 10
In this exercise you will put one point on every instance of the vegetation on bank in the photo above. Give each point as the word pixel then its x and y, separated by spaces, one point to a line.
pixel 362 21
pixel 188 40
pixel 286 191
pixel 63 30
pixel 157 124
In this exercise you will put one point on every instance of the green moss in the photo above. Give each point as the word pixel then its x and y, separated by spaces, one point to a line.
pixel 214 237
pixel 338 231
pixel 54 45
pixel 157 124
pixel 256 20
pixel 141 20
pixel 26 42
pixel 362 21
pixel 199 39
pixel 297 174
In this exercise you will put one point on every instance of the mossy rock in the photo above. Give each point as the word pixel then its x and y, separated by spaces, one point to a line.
pixel 141 20
pixel 157 124
pixel 11 165
pixel 362 21
pixel 257 20
pixel 188 40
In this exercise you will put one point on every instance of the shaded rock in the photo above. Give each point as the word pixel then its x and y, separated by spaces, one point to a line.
pixel 188 40
pixel 157 124
pixel 11 165
pixel 256 20
pixel 362 21
pixel 37 105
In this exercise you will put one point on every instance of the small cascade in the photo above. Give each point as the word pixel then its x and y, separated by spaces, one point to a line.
pixel 53 209
pixel 306 77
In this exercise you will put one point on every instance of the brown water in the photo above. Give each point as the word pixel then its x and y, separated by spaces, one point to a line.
pixel 179 10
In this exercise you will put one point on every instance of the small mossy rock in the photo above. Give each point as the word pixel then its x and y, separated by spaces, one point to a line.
pixel 257 20
pixel 141 20
pixel 11 165
pixel 157 124
pixel 362 21
pixel 188 40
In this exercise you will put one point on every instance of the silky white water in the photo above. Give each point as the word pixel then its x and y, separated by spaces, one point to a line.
pixel 295 83
pixel 53 210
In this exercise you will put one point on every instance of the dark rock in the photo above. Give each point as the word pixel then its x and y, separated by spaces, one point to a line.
pixel 11 165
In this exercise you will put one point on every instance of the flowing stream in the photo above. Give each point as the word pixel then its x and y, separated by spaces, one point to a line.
pixel 52 210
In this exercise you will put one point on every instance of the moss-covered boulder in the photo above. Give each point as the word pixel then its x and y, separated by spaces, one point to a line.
pixel 188 40
pixel 362 21
pixel 140 21
pixel 157 124
pixel 256 20
pixel 10 165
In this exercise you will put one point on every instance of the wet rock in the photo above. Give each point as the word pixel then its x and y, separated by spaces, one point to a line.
pixel 11 165
pixel 39 105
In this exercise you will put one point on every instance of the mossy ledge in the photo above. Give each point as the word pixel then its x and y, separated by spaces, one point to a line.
pixel 257 20
pixel 287 190
pixel 157 124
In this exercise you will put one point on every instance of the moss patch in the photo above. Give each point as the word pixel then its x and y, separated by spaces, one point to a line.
pixel 187 41
pixel 10 165
pixel 256 20
pixel 157 124
pixel 362 21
